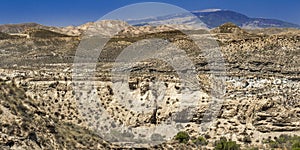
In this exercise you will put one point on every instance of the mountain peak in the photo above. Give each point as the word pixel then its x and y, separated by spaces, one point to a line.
pixel 209 10
pixel 214 17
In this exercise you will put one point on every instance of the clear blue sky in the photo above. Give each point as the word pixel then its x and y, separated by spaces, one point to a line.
pixel 76 12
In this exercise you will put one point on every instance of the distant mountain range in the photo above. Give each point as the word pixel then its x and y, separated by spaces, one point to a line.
pixel 215 17
pixel 209 18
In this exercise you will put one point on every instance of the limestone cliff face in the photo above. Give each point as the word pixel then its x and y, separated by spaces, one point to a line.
pixel 39 109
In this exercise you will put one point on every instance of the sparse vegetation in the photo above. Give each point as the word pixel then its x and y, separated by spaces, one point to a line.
pixel 38 101
pixel 182 137
pixel 296 145
pixel 224 144
pixel 285 142
pixel 200 141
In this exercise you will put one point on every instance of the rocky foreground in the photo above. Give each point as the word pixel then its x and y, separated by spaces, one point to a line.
pixel 39 110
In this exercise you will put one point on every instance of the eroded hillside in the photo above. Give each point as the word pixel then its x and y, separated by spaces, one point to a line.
pixel 39 109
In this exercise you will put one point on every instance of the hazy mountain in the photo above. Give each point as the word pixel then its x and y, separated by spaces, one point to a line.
pixel 215 17
pixel 209 18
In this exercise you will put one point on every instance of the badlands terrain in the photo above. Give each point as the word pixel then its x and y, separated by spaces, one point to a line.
pixel 39 106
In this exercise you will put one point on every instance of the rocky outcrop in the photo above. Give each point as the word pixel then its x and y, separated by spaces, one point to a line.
pixel 228 28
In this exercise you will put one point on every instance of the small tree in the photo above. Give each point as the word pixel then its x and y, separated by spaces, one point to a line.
pixel 200 141
pixel 224 144
pixel 182 137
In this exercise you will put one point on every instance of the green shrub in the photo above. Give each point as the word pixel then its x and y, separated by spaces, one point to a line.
pixel 296 144
pixel 285 141
pixel 200 141
pixel 224 144
pixel 182 137
pixel 283 138
pixel 274 144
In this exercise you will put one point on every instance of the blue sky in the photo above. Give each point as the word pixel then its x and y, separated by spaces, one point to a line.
pixel 76 12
